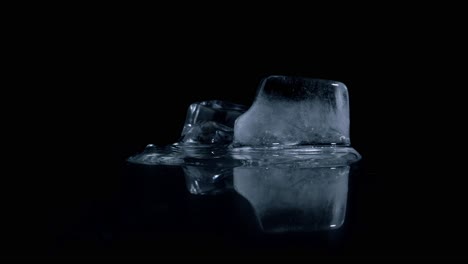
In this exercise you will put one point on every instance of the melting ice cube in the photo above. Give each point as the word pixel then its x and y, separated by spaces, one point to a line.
pixel 296 111
pixel 211 122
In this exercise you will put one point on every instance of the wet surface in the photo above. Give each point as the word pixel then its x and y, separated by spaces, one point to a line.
pixel 256 212
pixel 107 208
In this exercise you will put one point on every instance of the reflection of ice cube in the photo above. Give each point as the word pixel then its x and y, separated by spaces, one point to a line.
pixel 206 180
pixel 210 122
pixel 295 111
pixel 295 199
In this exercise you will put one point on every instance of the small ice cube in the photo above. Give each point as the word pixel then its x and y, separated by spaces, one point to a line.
pixel 211 122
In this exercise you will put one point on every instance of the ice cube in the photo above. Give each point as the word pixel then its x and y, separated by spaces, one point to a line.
pixel 211 122
pixel 208 132
pixel 296 111
pixel 296 121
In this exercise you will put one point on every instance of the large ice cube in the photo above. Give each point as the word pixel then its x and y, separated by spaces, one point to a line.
pixel 296 111
pixel 211 122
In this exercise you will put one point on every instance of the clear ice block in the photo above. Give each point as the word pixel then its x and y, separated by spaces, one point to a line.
pixel 210 122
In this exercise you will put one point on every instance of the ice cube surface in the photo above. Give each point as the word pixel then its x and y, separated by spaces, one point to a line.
pixel 296 111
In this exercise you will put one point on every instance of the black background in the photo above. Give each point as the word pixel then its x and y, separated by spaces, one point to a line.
pixel 101 92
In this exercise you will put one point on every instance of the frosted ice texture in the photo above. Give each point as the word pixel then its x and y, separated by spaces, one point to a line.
pixel 296 111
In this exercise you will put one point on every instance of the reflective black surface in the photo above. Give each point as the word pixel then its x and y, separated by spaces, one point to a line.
pixel 151 213
pixel 117 210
